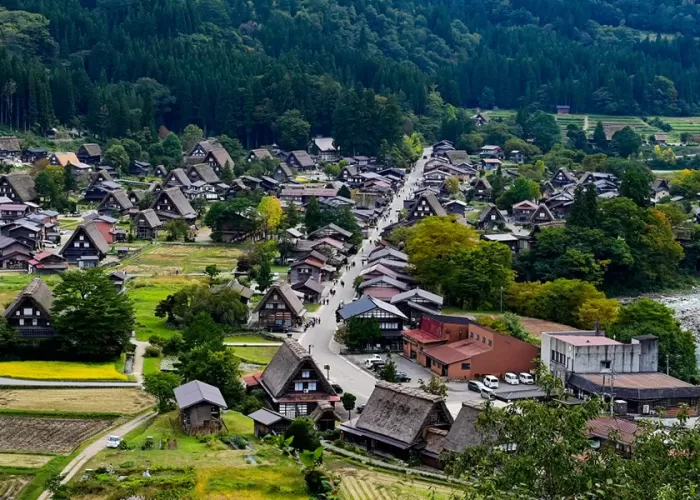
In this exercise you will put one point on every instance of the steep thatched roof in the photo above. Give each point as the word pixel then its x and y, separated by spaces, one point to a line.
pixel 10 144
pixel 205 172
pixel 149 215
pixel 303 158
pixel 286 294
pixel 285 365
pixel 90 230
pixel 91 149
pixel 39 292
pixel 463 432
pixel 401 413
pixel 22 184
pixel 180 204
pixel 120 197
pixel 221 157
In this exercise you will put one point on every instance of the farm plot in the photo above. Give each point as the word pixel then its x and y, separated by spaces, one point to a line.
pixel 361 484
pixel 171 259
pixel 46 435
pixel 124 401
pixel 23 460
pixel 10 486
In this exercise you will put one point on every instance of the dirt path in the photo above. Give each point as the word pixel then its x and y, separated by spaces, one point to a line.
pixel 585 123
pixel 94 448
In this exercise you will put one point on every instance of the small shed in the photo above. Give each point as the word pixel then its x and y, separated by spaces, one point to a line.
pixel 200 407
pixel 266 421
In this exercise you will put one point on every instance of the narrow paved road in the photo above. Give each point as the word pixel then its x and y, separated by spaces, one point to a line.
pixel 94 448
pixel 320 338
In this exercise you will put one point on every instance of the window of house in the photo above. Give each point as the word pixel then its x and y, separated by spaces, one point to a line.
pixel 483 340
pixel 305 373
pixel 21 322
pixel 466 366
pixel 490 342
pixel 477 336
pixel 471 335
pixel 605 364
pixel 27 311
pixel 37 312
pixel 76 244
pixel 81 237
pixel 311 386
pixel 34 322
pixel 86 245
pixel 298 386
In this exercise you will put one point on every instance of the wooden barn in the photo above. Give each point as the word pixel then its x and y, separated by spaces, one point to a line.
pixel 200 407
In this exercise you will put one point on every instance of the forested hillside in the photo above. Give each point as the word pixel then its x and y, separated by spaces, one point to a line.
pixel 235 66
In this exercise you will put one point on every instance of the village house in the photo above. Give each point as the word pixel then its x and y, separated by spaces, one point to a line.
pixel 245 292
pixel 382 288
pixel 282 173
pixel 200 150
pixel 659 187
pixel 490 164
pixel 508 239
pixel 171 204
pixel 14 254
pixel 461 349
pixel 266 421
pixel 18 187
pixel 295 386
pixel 391 321
pixel 177 177
pixel 90 154
pixel 482 189
pixel 86 247
pixel 47 262
pixel 9 147
pixel 490 218
pixel 523 211
pixel 300 161
pixel 306 269
pixel 457 156
pixel 218 159
pixel 416 303
pixel 659 139
pixel 302 195
pixel 63 159
pixel 492 152
pixel 30 313
pixel 397 421
pixel 563 109
pixel 31 233
pixel 426 205
pixel 324 148
pixel 13 211
pixel 542 215
pixel 140 168
pixel 562 177
pixel 32 155
pixel 258 154
pixel 116 203
pixel 312 290
pixel 119 279
pixel 160 171
pixel 456 207
pixel 517 157
pixel 441 147
pixel 280 307
pixel 200 406
pixel 202 172
pixel 147 224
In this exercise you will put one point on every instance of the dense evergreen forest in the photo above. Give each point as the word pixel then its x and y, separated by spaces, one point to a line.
pixel 235 66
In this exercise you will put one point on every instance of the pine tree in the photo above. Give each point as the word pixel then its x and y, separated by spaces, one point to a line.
pixel 313 218
pixel 599 138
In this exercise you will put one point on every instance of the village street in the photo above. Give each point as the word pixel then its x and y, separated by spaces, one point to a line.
pixel 326 351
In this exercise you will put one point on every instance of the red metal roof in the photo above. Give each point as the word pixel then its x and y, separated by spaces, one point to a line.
pixel 421 336
pixel 602 426
pixel 381 293
pixel 457 351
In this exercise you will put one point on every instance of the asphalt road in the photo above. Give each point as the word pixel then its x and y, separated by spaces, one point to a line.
pixel 324 349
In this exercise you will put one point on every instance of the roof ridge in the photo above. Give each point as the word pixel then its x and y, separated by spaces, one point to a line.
pixel 409 391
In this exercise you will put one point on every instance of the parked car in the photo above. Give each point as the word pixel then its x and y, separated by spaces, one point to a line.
pixel 491 382
pixel 360 409
pixel 336 387
pixel 49 244
pixel 526 378
pixel 487 393
pixel 475 385
pixel 377 365
pixel 512 379
pixel 278 328
pixel 63 232
pixel 113 441
pixel 275 276
pixel 373 359
pixel 402 377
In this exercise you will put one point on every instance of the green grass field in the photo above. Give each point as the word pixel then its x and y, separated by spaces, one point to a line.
pixel 151 365
pixel 246 338
pixel 171 259
pixel 257 355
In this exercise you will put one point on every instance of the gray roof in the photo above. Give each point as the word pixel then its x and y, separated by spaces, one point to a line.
pixel 92 149
pixel 457 156
pixel 463 432
pixel 222 157
pixel 9 143
pixel 180 176
pixel 242 290
pixel 195 392
pixel 366 304
pixel 483 181
pixel 287 294
pixel 487 210
pixel 181 204
pixel 105 175
pixel 284 366
pixel 333 227
pixel 303 158
pixel 121 197
pixel 206 173
pixel 37 290
pixel 432 202
pixel 267 417
pixel 385 252
pixel 285 168
pixel 401 413
pixel 381 269
pixel 92 233
pixel 23 185
pixel 324 143
pixel 311 284
pixel 261 153
pixel 6 241
pixel 384 279
pixel 417 292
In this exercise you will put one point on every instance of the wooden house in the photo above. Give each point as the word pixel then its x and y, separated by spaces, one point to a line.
pixel 9 147
pixel 258 154
pixel 147 224
pixel 457 156
pixel 30 313
pixel 300 161
pixel 522 212
pixel 202 172
pixel 177 177
pixel 313 290
pixel 160 171
pixel 391 320
pixel 86 246
pixel 416 302
pixel 47 263
pixel 32 155
pixel 31 233
pixel 490 218
pixel 119 279
pixel 396 421
pixel 217 159
pixel 200 406
pixel 427 205
pixel 482 189
pixel 517 157
pixel 13 211
pixel 489 164
pixel 492 152
pixel 295 386
pixel 116 203
pixel 541 215
pixel 171 204
pixel 562 177
pixel 266 421
pixel 305 270
pixel 14 254
pixel 140 168
pixel 18 187
pixel 282 173
pixel 90 154
pixel 330 230
pixel 63 159
pixel 324 148
pixel 563 109
pixel 280 307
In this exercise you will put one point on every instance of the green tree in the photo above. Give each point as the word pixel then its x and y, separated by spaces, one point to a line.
pixel 172 149
pixel 290 217
pixel 544 129
pixel 177 228
pixel 232 146
pixel 203 331
pixel 522 189
pixel 212 271
pixel 361 332
pixel 304 432
pixel 626 142
pixel 636 183
pixel 434 386
pixel 332 170
pixel 117 157
pixel 576 137
pixel 471 142
pixel 8 339
pixel 292 130
pixel 313 217
pixel 160 386
pixel 227 173
pixel 218 368
pixel 345 192
pixel 132 148
pixel 648 317
pixel 599 137
pixel 584 210
pixel 452 185
pixel 348 399
pixel 190 137
pixel 388 372
pixel 262 274
pixel 92 320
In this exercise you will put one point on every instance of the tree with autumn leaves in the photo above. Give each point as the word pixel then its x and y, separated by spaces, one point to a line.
pixel 270 211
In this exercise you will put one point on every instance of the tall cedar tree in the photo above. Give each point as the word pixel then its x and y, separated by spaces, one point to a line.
pixel 93 321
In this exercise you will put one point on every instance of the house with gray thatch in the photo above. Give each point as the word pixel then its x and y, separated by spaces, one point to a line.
pixel 280 307
pixel 200 407
pixel 17 187
pixel 295 386
pixel 9 147
pixel 397 421
pixel 86 247
pixel 30 313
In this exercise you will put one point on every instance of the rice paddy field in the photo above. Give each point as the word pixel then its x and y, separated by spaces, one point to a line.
pixel 126 401
pixel 167 259
pixel 61 370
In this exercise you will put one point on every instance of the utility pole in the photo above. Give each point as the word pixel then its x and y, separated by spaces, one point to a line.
pixel 667 364
pixel 501 300
pixel 310 346
pixel 328 370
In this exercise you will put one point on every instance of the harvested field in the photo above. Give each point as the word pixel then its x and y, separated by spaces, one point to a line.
pixel 46 435
pixel 10 486
pixel 169 259
pixel 125 401
pixel 21 460
pixel 363 484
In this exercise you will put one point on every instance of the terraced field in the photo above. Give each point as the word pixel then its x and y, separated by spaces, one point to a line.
pixel 46 435
pixel 362 484
pixel 10 486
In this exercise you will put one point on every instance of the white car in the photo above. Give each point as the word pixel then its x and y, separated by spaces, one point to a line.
pixel 490 381
pixel 113 441
pixel 276 276
pixel 49 244
pixel 375 358
pixel 63 232
pixel 511 378
pixel 526 378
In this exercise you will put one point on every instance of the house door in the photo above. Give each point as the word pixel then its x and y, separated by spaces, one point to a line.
pixel 428 362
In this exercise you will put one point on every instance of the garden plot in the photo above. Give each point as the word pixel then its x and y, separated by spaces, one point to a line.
pixel 172 259
pixel 24 460
pixel 362 484
pixel 46 435
pixel 124 401
pixel 10 486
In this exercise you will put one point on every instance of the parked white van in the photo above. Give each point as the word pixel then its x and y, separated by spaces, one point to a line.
pixel 512 379
pixel 487 393
pixel 526 378
pixel 491 382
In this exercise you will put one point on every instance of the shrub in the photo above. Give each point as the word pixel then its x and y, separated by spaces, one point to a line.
pixel 173 345
pixel 157 340
pixel 153 352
